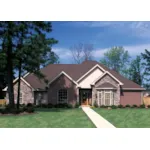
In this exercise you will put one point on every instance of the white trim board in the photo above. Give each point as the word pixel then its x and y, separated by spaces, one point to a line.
pixel 26 74
pixel 106 72
pixel 90 71
pixel 106 88
pixel 65 75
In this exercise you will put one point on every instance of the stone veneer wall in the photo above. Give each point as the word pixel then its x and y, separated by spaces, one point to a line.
pixel 105 79
pixel 27 93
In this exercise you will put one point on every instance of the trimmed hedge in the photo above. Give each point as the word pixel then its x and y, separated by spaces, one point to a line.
pixel 128 106
pixel 120 106
pixel 113 106
pixel 142 106
pixel 63 105
pixel 17 111
pixel 134 106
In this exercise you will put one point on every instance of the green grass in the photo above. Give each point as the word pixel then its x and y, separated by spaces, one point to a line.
pixel 48 118
pixel 127 118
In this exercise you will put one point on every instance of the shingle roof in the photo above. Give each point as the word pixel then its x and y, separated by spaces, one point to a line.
pixel 75 71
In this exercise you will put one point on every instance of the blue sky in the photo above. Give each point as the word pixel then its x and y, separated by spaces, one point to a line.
pixel 133 36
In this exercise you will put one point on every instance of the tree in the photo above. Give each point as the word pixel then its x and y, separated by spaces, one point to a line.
pixel 81 52
pixel 146 57
pixel 3 80
pixel 34 46
pixel 7 36
pixel 26 47
pixel 117 59
pixel 137 71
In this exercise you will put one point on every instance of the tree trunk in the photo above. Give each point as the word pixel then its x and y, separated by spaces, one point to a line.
pixel 10 67
pixel 10 73
pixel 18 98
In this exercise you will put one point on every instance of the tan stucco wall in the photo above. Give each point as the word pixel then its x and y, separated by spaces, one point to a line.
pixel 90 78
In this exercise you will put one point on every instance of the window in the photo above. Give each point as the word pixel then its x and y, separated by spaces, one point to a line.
pixel 20 98
pixel 62 96
pixel 100 98
pixel 108 98
pixel 105 97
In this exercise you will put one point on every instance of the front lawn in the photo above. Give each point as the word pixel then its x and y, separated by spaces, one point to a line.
pixel 48 118
pixel 127 117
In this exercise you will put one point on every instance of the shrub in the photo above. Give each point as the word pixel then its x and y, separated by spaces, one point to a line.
pixel 95 104
pixel 37 106
pixel 50 105
pixel 103 106
pixel 15 111
pixel 44 105
pixel 4 111
pixel 29 105
pixel 24 108
pixel 22 105
pixel 77 105
pixel 127 106
pixel 120 106
pixel 30 109
pixel 61 105
pixel 69 106
pixel 148 106
pixel 134 106
pixel 142 106
pixel 113 106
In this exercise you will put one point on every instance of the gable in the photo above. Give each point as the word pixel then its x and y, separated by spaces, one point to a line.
pixel 62 82
pixel 106 79
pixel 21 81
pixel 88 79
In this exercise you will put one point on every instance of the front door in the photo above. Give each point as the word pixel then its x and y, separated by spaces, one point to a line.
pixel 85 97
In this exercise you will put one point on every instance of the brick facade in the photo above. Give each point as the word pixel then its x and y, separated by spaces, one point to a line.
pixel 27 93
pixel 62 83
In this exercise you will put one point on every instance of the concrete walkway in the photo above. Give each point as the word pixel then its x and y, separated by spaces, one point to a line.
pixel 97 119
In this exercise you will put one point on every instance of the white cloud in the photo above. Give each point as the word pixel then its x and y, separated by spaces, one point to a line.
pixel 134 28
pixel 133 50
pixel 62 52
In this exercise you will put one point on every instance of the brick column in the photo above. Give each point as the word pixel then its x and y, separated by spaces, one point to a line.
pixel 78 95
pixel 93 95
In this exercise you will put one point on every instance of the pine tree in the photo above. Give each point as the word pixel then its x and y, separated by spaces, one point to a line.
pixel 26 47
pixel 146 57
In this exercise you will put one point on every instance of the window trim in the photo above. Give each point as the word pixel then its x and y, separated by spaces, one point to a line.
pixel 21 96
pixel 103 102
pixel 108 92
pixel 99 101
pixel 58 102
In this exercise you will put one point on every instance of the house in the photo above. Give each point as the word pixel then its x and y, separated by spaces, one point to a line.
pixel 86 83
